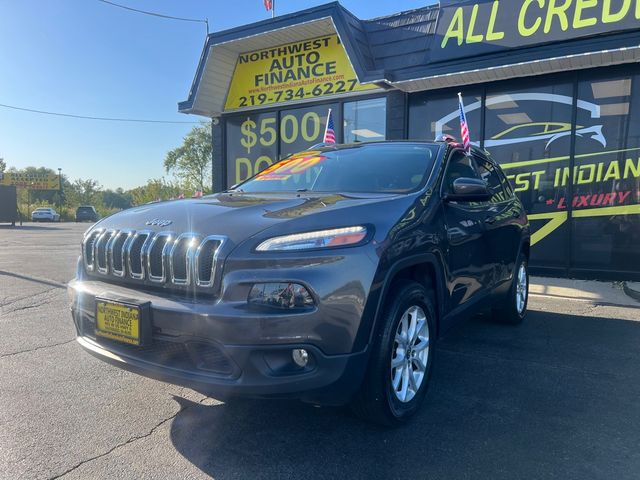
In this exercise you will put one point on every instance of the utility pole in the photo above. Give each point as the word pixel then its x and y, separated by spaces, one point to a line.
pixel 60 189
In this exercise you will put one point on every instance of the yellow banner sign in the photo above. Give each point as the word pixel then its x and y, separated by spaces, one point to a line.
pixel 31 181
pixel 293 72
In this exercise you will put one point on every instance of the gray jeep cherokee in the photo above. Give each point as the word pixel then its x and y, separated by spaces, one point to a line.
pixel 327 277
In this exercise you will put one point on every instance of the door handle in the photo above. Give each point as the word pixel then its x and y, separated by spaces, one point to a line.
pixel 490 220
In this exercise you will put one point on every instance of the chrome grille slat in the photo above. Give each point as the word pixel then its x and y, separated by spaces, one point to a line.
pixel 88 249
pixel 153 257
pixel 116 249
pixel 181 258
pixel 159 249
pixel 101 252
pixel 207 251
pixel 136 254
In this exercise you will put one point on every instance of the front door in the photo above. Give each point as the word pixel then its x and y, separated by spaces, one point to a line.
pixel 502 221
pixel 469 272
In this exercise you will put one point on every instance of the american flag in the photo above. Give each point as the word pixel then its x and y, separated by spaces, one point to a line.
pixel 329 132
pixel 268 4
pixel 464 127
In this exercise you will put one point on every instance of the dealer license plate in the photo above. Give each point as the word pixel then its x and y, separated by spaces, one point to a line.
pixel 118 321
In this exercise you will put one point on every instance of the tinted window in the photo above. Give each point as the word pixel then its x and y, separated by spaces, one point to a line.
pixel 459 166
pixel 490 175
pixel 606 193
pixel 528 132
pixel 365 120
pixel 368 169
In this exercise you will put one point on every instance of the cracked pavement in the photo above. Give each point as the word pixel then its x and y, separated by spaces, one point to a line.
pixel 554 398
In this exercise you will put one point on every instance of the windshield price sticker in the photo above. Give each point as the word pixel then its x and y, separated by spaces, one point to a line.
pixel 296 71
pixel 292 166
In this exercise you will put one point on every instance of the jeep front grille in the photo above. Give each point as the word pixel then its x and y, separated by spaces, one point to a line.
pixel 155 258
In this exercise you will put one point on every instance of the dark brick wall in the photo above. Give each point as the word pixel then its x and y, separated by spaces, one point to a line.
pixel 396 115
pixel 218 156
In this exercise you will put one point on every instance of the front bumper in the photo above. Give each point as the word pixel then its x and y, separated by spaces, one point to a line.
pixel 208 346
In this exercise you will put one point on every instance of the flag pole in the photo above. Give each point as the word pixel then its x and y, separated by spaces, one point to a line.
pixel 326 126
pixel 273 9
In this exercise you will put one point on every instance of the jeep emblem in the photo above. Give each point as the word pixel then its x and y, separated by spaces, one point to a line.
pixel 156 222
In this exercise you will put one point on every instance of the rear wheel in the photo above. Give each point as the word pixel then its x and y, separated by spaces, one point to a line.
pixel 513 308
pixel 399 369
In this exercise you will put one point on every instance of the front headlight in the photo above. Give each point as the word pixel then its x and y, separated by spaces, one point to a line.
pixel 336 237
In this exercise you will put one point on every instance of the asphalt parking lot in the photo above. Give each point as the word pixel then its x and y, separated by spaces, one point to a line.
pixel 557 397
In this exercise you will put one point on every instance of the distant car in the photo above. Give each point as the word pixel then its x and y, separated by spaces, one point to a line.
pixel 45 215
pixel 86 213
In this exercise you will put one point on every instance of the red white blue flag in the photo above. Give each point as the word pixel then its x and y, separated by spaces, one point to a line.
pixel 464 127
pixel 329 131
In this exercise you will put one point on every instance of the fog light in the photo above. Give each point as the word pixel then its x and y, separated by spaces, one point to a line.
pixel 280 295
pixel 300 357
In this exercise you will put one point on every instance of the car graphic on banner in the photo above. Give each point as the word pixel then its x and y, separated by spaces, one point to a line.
pixel 533 131
pixel 606 204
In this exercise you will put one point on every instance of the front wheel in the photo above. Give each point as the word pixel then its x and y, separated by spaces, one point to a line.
pixel 513 308
pixel 399 369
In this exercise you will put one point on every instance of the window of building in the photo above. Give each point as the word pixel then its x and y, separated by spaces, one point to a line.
pixel 433 115
pixel 606 196
pixel 301 128
pixel 528 132
pixel 365 120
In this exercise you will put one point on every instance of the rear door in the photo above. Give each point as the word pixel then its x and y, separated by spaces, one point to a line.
pixel 502 220
pixel 468 264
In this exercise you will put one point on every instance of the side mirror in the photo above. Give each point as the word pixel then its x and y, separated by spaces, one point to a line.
pixel 469 190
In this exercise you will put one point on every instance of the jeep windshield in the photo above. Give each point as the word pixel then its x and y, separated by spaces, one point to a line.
pixel 366 168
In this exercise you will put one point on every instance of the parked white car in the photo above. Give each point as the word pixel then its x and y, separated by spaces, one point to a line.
pixel 45 215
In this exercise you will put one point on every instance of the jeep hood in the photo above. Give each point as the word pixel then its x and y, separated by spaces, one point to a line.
pixel 240 216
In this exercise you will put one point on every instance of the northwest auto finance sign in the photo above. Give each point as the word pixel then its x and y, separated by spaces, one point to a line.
pixel 469 28
pixel 293 72
pixel 31 181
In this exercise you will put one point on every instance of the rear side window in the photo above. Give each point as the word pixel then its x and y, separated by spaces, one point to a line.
pixel 489 173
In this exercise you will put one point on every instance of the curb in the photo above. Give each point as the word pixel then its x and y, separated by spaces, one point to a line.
pixel 631 292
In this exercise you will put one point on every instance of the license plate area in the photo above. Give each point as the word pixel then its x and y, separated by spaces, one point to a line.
pixel 123 321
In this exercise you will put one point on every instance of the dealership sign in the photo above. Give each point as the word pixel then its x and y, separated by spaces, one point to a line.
pixel 470 28
pixel 287 73
pixel 31 181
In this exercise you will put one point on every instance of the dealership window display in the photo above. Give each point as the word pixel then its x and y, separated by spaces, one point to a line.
pixel 529 132
pixel 365 120
pixel 606 202
pixel 572 158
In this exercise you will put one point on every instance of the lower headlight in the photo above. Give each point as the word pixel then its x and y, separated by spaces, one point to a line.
pixel 280 295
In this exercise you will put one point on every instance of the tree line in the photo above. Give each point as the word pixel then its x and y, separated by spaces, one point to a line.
pixel 188 165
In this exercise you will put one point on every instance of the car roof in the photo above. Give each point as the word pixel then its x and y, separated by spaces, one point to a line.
pixel 344 146
pixel 341 146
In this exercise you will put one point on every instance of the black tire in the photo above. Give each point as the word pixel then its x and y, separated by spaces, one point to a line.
pixel 376 401
pixel 506 309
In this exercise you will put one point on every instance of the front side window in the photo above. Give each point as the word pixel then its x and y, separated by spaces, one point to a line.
pixel 372 168
pixel 459 166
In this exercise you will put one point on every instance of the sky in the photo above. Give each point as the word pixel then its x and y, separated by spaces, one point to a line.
pixel 85 57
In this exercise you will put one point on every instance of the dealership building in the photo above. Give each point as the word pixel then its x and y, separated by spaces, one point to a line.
pixel 551 88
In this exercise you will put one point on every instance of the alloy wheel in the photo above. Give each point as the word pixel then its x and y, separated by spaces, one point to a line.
pixel 410 354
pixel 522 289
